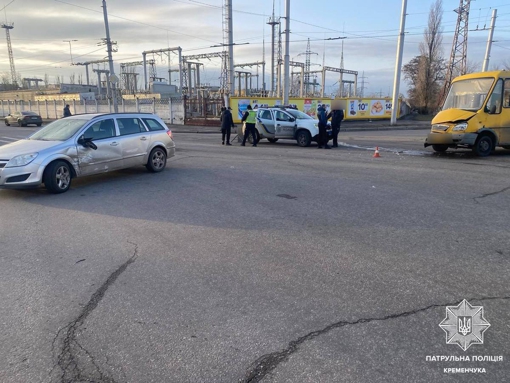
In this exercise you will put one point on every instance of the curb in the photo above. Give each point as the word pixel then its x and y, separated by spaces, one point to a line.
pixel 358 129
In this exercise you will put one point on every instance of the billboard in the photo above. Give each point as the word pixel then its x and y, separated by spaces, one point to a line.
pixel 354 108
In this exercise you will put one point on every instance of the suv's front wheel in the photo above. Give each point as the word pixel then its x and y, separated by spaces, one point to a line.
pixel 303 138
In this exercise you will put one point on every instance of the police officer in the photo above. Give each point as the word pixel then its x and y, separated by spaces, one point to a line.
pixel 250 116
pixel 323 121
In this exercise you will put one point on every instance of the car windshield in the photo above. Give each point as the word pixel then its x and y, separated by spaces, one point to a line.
pixel 298 114
pixel 468 94
pixel 59 130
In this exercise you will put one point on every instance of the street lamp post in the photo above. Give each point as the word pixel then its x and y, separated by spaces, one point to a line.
pixel 70 49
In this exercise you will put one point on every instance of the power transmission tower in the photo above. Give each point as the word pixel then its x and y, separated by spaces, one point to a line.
pixel 308 55
pixel 458 57
pixel 363 82
pixel 8 27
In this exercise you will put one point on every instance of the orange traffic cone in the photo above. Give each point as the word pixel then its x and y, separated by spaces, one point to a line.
pixel 376 153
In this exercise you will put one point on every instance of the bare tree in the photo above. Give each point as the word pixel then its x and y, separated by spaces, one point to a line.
pixel 72 78
pixel 426 71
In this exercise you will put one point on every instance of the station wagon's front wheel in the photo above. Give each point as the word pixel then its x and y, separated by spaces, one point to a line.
pixel 157 160
pixel 57 177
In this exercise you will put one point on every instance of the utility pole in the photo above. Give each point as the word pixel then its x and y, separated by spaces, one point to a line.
pixel 398 65
pixel 273 23
pixel 286 58
pixel 489 41
pixel 111 78
pixel 70 50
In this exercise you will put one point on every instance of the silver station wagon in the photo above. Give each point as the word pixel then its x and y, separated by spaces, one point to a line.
pixel 83 145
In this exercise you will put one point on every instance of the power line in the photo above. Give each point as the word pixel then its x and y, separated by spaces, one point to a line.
pixel 135 21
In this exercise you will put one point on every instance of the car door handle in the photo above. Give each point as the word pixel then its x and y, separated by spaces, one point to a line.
pixel 143 138
pixel 114 143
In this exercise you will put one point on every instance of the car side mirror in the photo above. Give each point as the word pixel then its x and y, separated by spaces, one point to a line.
pixel 292 119
pixel 87 142
pixel 492 109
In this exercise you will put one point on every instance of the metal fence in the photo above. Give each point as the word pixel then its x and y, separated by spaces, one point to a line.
pixel 170 110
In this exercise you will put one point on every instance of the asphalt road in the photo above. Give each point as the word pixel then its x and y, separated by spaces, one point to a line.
pixel 271 264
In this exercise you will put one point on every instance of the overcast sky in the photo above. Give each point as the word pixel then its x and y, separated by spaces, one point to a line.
pixel 370 29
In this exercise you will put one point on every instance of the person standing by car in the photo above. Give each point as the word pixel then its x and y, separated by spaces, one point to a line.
pixel 250 117
pixel 336 115
pixel 67 111
pixel 227 122
pixel 323 121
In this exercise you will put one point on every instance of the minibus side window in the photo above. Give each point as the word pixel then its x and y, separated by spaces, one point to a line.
pixel 506 94
pixel 494 104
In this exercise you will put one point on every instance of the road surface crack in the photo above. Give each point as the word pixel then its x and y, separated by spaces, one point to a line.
pixel 267 363
pixel 489 194
pixel 73 357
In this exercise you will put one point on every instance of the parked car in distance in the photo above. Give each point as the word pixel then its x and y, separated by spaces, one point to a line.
pixel 24 118
pixel 84 145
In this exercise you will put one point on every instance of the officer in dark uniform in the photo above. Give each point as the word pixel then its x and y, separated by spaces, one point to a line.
pixel 336 116
pixel 227 122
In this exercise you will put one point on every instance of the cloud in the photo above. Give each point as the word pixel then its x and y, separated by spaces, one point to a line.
pixel 137 26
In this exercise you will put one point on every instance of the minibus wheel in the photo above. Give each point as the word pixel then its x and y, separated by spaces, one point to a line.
pixel 483 146
pixel 440 148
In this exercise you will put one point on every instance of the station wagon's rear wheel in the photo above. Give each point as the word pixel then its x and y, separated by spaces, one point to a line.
pixel 157 160
pixel 57 177
pixel 272 140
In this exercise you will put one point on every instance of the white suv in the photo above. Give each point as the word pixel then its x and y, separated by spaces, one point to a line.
pixel 276 123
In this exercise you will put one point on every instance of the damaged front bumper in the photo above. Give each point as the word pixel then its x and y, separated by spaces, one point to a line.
pixel 450 139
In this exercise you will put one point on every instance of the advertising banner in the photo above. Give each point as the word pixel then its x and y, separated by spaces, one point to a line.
pixel 354 108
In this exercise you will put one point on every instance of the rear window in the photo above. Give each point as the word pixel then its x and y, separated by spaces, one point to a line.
pixel 129 126
pixel 153 124
pixel 29 113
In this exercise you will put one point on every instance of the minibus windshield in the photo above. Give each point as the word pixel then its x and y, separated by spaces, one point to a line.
pixel 468 94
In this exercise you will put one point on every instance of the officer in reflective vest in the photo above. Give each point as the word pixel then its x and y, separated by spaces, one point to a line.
pixel 250 118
